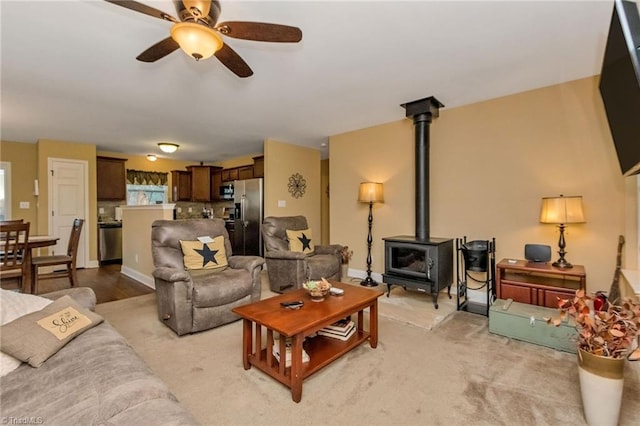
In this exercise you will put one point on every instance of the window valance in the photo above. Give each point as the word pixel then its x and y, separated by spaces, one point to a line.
pixel 142 177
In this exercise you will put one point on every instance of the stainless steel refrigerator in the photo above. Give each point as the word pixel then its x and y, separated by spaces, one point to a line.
pixel 248 198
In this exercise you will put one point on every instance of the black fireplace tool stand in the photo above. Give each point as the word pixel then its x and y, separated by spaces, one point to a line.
pixel 475 270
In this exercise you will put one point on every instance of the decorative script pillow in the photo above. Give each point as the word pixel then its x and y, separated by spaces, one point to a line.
pixel 13 305
pixel 34 337
pixel 199 255
pixel 301 241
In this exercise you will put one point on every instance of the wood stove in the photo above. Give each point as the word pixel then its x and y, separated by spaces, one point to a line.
pixel 425 265
pixel 420 262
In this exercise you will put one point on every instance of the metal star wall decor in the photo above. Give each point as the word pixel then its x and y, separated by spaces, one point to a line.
pixel 297 185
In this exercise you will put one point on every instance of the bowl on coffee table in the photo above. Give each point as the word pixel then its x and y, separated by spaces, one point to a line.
pixel 317 289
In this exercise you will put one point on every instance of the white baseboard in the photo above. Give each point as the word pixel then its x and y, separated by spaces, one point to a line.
pixel 92 264
pixel 357 273
pixel 144 279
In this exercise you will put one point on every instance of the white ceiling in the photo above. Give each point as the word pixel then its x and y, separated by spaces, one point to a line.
pixel 69 70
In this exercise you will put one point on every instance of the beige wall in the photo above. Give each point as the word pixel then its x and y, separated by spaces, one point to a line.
pixel 22 157
pixel 29 162
pixel 281 161
pixel 137 259
pixel 491 163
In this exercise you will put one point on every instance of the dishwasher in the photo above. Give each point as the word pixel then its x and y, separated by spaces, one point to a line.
pixel 109 242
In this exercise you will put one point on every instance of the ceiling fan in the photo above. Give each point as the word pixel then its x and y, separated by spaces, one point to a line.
pixel 198 33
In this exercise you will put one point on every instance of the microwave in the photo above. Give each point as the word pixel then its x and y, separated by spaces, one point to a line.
pixel 226 192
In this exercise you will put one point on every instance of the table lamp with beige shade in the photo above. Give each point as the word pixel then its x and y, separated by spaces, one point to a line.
pixel 562 211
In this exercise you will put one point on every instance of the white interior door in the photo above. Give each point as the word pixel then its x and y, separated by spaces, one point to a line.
pixel 68 200
pixel 5 190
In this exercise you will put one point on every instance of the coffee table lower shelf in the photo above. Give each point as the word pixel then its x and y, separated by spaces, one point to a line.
pixel 322 351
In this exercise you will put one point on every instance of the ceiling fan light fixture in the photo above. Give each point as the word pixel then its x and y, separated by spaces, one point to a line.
pixel 198 8
pixel 168 147
pixel 197 41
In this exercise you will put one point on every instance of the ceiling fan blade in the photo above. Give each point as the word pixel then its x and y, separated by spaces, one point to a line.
pixel 158 50
pixel 142 8
pixel 233 61
pixel 260 31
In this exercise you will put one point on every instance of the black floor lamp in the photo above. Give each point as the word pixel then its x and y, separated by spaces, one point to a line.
pixel 370 192
pixel 561 211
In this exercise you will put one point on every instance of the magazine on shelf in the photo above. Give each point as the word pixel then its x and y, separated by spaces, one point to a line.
pixel 342 325
pixel 276 353
pixel 343 337
pixel 338 335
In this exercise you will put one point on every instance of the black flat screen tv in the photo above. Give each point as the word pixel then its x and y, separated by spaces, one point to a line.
pixel 620 84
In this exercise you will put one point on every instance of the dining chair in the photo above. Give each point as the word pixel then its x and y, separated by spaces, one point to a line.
pixel 14 241
pixel 11 222
pixel 69 260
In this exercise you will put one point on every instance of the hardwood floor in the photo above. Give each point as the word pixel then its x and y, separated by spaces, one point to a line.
pixel 106 281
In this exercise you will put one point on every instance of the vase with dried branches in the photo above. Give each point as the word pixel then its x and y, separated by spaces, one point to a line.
pixel 607 336
pixel 346 256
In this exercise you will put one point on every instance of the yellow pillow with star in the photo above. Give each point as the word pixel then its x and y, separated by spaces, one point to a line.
pixel 198 255
pixel 301 241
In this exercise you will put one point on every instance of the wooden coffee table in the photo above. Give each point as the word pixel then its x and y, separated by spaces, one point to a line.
pixel 300 323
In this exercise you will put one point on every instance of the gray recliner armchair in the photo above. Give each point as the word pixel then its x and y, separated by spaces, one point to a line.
pixel 287 270
pixel 196 300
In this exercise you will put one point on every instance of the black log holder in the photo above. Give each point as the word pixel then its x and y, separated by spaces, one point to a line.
pixel 475 269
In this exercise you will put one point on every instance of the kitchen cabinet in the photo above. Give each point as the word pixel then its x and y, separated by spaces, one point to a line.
pixel 180 185
pixel 200 183
pixel 255 170
pixel 111 178
pixel 245 172
pixel 538 283
pixel 197 183
pixel 229 175
pixel 258 166
pixel 216 183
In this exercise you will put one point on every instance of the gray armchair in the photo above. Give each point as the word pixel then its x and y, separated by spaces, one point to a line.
pixel 287 270
pixel 196 300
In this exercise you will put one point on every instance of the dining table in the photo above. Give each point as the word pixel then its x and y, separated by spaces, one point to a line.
pixel 35 242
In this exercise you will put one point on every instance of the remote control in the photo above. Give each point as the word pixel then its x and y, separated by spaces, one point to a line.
pixel 293 304
pixel 335 291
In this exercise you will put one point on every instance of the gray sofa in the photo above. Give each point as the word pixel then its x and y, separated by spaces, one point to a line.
pixel 96 379
pixel 196 300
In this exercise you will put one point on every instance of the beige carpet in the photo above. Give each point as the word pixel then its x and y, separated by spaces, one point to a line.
pixel 455 374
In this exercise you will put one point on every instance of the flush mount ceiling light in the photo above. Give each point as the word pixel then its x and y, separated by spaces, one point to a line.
pixel 197 41
pixel 151 157
pixel 168 147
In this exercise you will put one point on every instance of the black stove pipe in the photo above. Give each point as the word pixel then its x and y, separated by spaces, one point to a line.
pixel 422 111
